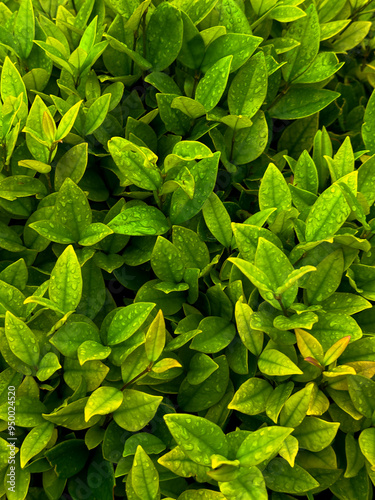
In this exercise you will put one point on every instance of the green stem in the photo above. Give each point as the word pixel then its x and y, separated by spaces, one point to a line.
pixel 196 81
pixel 146 370
pixel 144 34
pixel 282 93
pixel 279 300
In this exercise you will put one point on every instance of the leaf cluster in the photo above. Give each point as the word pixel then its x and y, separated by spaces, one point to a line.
pixel 187 257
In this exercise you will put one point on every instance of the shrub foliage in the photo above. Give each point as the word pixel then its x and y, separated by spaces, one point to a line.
pixel 187 273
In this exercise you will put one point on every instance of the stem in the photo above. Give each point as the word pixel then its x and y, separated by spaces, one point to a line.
pixel 282 93
pixel 196 81
pixel 144 33
pixel 50 155
pixel 157 199
pixel 146 370
pixel 279 300
pixel 134 47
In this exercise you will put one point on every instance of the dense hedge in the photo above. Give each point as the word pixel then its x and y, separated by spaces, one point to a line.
pixel 187 272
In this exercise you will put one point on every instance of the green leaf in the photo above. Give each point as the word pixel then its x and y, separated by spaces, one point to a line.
pixel 94 233
pixel 346 303
pixel 249 483
pixel 354 458
pixel 65 288
pixel 197 10
pixel 193 109
pixel 276 266
pixel 362 279
pixel 247 238
pixel 19 186
pixel 103 401
pixel 301 102
pixel 166 261
pixel 155 337
pixel 332 327
pixel 164 36
pixel 21 339
pixel 96 114
pixel 251 398
pixel 207 394
pixel 324 66
pixel 200 368
pixel 239 45
pixel 193 48
pixel 306 174
pixel 336 350
pixel 248 89
pixel 193 250
pixel 48 365
pixel 72 209
pixel 144 476
pixel 24 28
pixel 293 277
pixel 21 487
pixel 67 121
pixel 366 442
pixel 197 437
pixel 216 333
pixel 277 400
pixel 327 215
pixel 175 120
pixel 70 336
pixel 180 464
pixel 305 31
pixel 289 450
pixel 140 220
pixel 72 416
pixel 273 362
pixel 309 346
pixel 368 130
pixel 217 219
pixel 286 14
pixel 36 440
pixel 305 319
pixel 262 445
pixel 324 282
pixel 314 434
pixel 280 476
pixel 362 393
pixel 211 87
pixel 296 407
pixel 274 192
pixel 68 458
pixel 134 164
pixel 232 17
pixel 11 81
pixel 252 339
pixel 255 275
pixel 352 36
pixel 122 47
pixel 90 350
pixel 11 300
pixel 72 164
pixel 127 320
pixel 343 162
pixel 136 410
pixel 204 172
pixel 38 166
pixel 28 411
pixel 150 443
